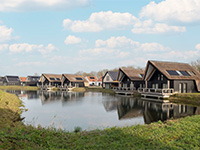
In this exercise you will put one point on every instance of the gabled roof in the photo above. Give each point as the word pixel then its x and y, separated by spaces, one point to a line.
pixel 22 79
pixel 75 78
pixel 91 78
pixel 165 67
pixel 133 74
pixel 100 78
pixel 33 78
pixel 12 78
pixel 52 77
pixel 113 75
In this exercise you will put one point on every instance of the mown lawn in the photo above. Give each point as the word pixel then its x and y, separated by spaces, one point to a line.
pixel 186 98
pixel 14 87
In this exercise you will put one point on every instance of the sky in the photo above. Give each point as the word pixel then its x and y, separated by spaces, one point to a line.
pixel 67 36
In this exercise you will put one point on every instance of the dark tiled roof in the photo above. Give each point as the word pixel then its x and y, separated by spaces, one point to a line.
pixel 52 77
pixel 113 75
pixel 12 78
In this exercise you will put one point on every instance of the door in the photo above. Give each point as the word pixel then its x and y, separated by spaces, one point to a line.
pixel 180 87
pixel 185 88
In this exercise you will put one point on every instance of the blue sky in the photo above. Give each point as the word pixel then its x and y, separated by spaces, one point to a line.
pixel 66 36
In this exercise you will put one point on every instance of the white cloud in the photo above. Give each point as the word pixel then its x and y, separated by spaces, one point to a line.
pixel 48 49
pixel 100 21
pixel 33 5
pixel 148 27
pixel 25 47
pixel 197 46
pixel 3 47
pixel 5 34
pixel 117 42
pixel 72 40
pixel 173 10
pixel 151 47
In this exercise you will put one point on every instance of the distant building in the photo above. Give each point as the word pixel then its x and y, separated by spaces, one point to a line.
pixel 109 80
pixel 50 80
pixel 99 81
pixel 92 80
pixel 71 80
pixel 130 78
pixel 23 80
pixel 11 80
pixel 181 77
pixel 1 80
pixel 32 80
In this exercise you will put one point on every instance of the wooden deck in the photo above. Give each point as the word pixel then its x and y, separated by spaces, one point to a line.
pixel 156 93
pixel 125 91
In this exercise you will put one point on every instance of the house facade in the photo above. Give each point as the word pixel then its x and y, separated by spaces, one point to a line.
pixel 23 80
pixel 32 80
pixel 1 80
pixel 50 80
pixel 71 80
pixel 130 78
pixel 99 81
pixel 11 80
pixel 109 80
pixel 181 77
pixel 92 80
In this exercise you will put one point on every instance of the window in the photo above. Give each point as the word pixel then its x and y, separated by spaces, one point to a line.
pixel 164 86
pixel 52 78
pixel 172 72
pixel 107 78
pixel 184 73
pixel 180 87
pixel 79 78
pixel 57 79
pixel 161 77
pixel 185 88
pixel 92 78
pixel 191 72
pixel 158 76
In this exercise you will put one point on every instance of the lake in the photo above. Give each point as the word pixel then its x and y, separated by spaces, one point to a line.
pixel 93 110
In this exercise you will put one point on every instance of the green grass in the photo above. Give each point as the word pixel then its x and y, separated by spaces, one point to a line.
pixel 10 109
pixel 175 134
pixel 186 98
pixel 99 89
pixel 78 89
pixel 178 134
pixel 14 87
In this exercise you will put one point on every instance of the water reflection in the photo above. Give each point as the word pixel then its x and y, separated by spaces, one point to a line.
pixel 96 110
pixel 152 111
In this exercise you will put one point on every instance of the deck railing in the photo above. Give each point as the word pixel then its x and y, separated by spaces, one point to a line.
pixel 156 91
pixel 124 89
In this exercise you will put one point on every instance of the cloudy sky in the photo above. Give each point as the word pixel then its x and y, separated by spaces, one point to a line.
pixel 66 36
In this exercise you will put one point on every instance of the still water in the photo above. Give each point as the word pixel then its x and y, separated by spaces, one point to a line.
pixel 92 110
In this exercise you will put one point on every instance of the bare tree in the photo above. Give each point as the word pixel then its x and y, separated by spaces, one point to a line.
pixel 196 64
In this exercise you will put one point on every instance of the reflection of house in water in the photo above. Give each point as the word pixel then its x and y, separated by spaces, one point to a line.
pixel 152 111
pixel 17 92
pixel 32 94
pixel 50 96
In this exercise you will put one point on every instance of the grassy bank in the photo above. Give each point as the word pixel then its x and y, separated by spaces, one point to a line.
pixel 186 98
pixel 10 110
pixel 177 134
pixel 14 87
pixel 99 89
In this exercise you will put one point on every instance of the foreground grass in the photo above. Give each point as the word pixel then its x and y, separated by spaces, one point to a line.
pixel 186 98
pixel 99 89
pixel 14 87
pixel 176 134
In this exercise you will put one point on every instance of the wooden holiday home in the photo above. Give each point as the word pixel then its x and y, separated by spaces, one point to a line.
pixel 32 80
pixel 181 77
pixel 11 80
pixel 130 78
pixel 71 80
pixel 50 80
pixel 109 80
